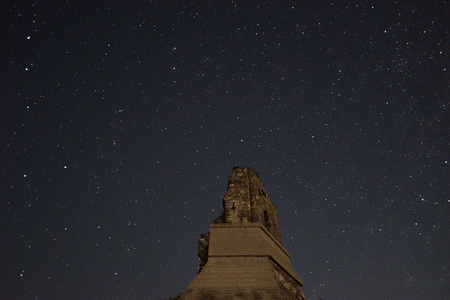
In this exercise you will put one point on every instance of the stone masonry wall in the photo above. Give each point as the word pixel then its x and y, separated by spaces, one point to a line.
pixel 225 278
pixel 242 257
pixel 246 201
pixel 290 289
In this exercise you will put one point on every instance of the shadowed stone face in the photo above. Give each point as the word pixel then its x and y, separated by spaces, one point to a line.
pixel 203 245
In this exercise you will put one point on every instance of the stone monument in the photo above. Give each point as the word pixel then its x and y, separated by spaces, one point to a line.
pixel 242 257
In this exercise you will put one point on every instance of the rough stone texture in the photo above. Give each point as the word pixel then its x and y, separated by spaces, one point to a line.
pixel 203 247
pixel 242 257
pixel 246 201
pixel 289 287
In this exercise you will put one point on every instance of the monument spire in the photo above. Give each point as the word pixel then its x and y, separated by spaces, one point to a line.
pixel 242 257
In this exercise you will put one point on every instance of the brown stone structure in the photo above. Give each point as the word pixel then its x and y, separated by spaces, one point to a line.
pixel 242 257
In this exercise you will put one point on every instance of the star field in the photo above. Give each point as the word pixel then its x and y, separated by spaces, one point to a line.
pixel 121 122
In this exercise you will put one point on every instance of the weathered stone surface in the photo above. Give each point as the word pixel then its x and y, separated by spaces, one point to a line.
pixel 203 247
pixel 246 200
pixel 242 257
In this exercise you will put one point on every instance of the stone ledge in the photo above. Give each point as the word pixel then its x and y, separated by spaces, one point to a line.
pixel 247 240
pixel 243 225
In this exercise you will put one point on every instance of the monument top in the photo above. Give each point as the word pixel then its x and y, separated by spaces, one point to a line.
pixel 246 201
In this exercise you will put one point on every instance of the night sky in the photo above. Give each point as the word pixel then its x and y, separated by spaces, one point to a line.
pixel 121 123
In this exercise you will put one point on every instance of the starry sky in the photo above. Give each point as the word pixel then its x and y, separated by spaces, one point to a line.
pixel 121 122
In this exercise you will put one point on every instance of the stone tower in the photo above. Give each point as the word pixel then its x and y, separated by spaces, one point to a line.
pixel 242 256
